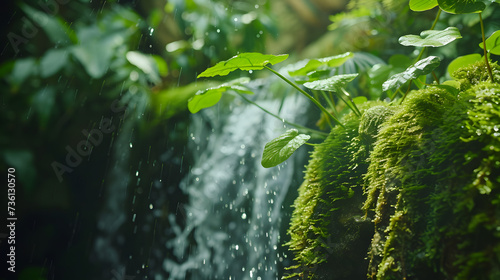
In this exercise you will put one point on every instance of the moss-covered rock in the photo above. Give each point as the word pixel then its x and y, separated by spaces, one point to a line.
pixel 422 204
pixel 328 230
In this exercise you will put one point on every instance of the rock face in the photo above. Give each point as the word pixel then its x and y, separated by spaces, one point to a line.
pixel 407 191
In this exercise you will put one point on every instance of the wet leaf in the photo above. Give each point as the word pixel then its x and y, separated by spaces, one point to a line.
pixel 243 61
pixel 280 149
pixel 492 43
pixel 331 84
pixel 421 67
pixel 211 96
pixel 461 6
pixel 314 64
pixel 431 38
pixel 462 61
pixel 422 5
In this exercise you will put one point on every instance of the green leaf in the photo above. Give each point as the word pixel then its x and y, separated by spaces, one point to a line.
pixel 331 84
pixel 53 61
pixel 461 6
pixel 95 63
pixel 422 5
pixel 492 43
pixel 314 64
pixel 359 100
pixel 431 38
pixel 23 68
pixel 243 61
pixel 53 26
pixel 462 61
pixel 211 96
pixel 92 38
pixel 280 149
pixel 421 67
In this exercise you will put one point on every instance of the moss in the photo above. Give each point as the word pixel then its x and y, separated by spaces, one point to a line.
pixel 328 231
pixel 400 151
pixel 407 192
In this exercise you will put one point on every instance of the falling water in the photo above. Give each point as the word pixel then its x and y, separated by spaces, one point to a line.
pixel 234 221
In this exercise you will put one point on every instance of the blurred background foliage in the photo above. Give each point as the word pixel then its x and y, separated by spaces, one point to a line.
pixel 67 66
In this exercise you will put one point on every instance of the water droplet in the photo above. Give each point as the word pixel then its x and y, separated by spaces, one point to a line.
pixel 244 216
pixel 218 30
pixel 131 145
pixel 151 206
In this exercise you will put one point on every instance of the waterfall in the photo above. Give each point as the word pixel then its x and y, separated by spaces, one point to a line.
pixel 234 220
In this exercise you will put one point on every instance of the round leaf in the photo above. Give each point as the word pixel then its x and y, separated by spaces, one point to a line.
pixel 331 84
pixel 211 96
pixel 422 5
pixel 492 43
pixel 243 61
pixel 280 149
pixel 359 100
pixel 205 100
pixel 461 6
pixel 462 61
pixel 431 38
pixel 314 64
pixel 421 67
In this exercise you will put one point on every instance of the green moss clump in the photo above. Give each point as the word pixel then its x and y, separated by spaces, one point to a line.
pixel 433 164
pixel 401 152
pixel 424 203
pixel 328 231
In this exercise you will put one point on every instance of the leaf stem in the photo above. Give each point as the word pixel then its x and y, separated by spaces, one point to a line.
pixel 485 51
pixel 328 100
pixel 435 77
pixel 354 108
pixel 306 94
pixel 406 93
pixel 320 134
pixel 432 28
pixel 436 19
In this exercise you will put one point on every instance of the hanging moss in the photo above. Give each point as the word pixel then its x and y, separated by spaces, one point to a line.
pixel 423 204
